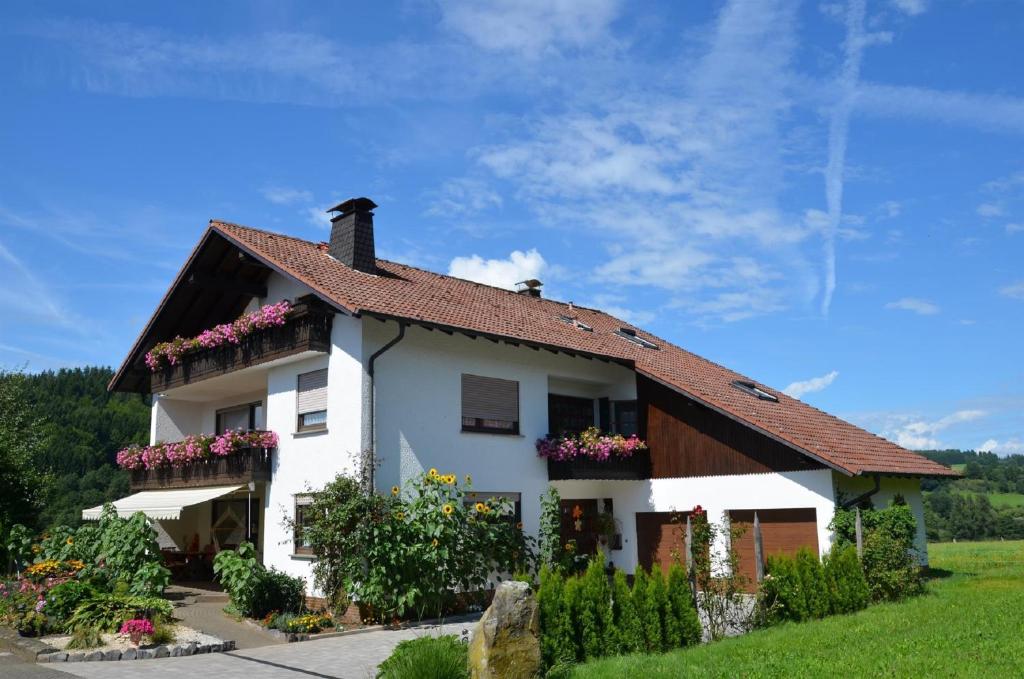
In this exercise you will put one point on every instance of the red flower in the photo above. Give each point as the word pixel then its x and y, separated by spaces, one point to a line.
pixel 698 510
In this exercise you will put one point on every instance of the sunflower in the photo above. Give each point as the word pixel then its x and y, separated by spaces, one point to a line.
pixel 394 490
pixel 71 541
pixel 469 479
pixel 451 479
pixel 432 473
pixel 480 507
pixel 400 516
pixel 435 543
pixel 447 509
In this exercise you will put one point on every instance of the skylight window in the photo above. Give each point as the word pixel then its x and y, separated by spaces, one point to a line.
pixel 630 334
pixel 754 390
pixel 575 322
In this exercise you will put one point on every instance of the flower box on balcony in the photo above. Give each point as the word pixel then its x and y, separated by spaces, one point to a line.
pixel 307 327
pixel 635 468
pixel 241 466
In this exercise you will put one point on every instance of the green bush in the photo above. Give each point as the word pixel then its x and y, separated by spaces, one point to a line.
pixel 275 591
pixel 130 553
pixel 812 581
pixel 84 638
pixel 658 593
pixel 442 657
pixel 62 600
pixel 685 617
pixel 848 588
pixel 628 635
pixel 782 594
pixel 163 635
pixel 572 602
pixel 595 616
pixel 892 571
pixel 647 611
pixel 106 612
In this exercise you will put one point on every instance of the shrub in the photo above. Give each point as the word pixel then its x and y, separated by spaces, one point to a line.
pixel 595 615
pixel 572 596
pixel 847 585
pixel 130 553
pixel 812 581
pixel 310 623
pixel 628 629
pixel 892 571
pixel 680 599
pixel 106 612
pixel 85 637
pixel 163 634
pixel 31 624
pixel 275 591
pixel 556 642
pixel 281 622
pixel 782 594
pixel 647 611
pixel 658 593
pixel 62 600
pixel 444 657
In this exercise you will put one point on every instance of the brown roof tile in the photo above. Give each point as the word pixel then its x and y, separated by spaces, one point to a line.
pixel 407 292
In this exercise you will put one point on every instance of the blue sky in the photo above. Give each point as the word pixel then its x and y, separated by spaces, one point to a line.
pixel 824 195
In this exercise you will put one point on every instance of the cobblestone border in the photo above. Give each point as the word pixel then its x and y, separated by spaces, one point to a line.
pixel 175 651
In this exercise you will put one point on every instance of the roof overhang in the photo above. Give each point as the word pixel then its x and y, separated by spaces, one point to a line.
pixel 161 504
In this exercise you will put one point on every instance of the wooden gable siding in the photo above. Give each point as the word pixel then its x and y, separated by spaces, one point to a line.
pixel 783 532
pixel 689 439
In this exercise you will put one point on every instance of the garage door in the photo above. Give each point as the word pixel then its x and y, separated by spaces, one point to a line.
pixel 783 531
pixel 658 536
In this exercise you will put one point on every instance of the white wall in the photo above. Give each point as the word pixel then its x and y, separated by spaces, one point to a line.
pixel 891 486
pixel 716 494
pixel 308 460
pixel 419 409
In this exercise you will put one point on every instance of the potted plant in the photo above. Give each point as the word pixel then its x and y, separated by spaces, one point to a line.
pixel 136 628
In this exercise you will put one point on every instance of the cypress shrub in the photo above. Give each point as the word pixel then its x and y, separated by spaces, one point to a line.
pixel 846 582
pixel 627 632
pixel 681 600
pixel 670 633
pixel 782 592
pixel 812 580
pixel 647 611
pixel 556 628
pixel 572 604
pixel 595 609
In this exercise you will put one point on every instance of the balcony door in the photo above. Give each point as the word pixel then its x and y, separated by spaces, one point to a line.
pixel 569 414
pixel 246 416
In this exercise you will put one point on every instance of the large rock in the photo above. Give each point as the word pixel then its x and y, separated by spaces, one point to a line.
pixel 506 642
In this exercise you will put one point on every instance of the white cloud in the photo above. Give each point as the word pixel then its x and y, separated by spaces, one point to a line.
pixel 317 216
pixel 501 273
pixel 463 197
pixel 1013 291
pixel 986 111
pixel 530 27
pixel 892 208
pixel 990 210
pixel 911 7
pixel 283 195
pixel 920 434
pixel 1014 228
pixel 799 389
pixel 1012 446
pixel 918 306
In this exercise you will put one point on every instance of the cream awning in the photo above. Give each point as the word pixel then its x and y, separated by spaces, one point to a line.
pixel 161 504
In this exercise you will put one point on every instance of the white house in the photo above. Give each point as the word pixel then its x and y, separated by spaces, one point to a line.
pixel 422 370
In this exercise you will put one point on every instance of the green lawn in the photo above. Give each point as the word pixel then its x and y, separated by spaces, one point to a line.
pixel 970 624
pixel 1006 499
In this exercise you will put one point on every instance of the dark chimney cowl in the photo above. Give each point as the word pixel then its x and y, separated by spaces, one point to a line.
pixel 352 234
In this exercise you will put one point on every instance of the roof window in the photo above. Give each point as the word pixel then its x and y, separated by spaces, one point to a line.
pixel 575 322
pixel 754 390
pixel 630 334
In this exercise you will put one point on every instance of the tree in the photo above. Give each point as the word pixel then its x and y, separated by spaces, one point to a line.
pixel 22 483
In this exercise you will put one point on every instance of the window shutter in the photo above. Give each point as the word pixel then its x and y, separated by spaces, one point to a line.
pixel 489 398
pixel 313 391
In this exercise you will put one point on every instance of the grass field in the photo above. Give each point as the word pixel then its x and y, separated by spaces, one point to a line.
pixel 1006 499
pixel 970 624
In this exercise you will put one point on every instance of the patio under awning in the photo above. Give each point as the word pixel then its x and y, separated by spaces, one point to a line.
pixel 161 504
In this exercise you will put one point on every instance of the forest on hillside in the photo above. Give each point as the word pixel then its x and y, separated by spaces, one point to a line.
pixel 59 435
pixel 986 502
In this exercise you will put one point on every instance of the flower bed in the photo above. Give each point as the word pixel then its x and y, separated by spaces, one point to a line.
pixel 589 445
pixel 196 448
pixel 170 353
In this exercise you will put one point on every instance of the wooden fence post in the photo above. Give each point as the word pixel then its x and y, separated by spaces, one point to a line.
pixel 691 575
pixel 860 536
pixel 758 549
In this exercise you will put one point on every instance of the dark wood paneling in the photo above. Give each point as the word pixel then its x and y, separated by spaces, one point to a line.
pixel 586 537
pixel 783 532
pixel 243 466
pixel 659 539
pixel 688 439
pixel 635 468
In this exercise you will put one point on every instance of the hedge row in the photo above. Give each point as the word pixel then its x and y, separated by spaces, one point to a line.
pixel 586 616
pixel 803 588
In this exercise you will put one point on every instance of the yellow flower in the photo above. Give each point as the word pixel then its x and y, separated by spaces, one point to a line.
pixel 400 515
pixel 451 479
pixel 447 509
pixel 433 473
pixel 480 506
pixel 469 479
pixel 71 541
pixel 434 543
pixel 394 490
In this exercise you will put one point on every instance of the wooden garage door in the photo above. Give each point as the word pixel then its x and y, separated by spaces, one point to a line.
pixel 658 536
pixel 783 531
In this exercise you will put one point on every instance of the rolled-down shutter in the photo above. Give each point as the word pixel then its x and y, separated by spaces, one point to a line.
pixel 313 391
pixel 490 398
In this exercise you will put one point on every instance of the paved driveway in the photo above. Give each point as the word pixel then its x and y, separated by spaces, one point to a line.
pixel 350 657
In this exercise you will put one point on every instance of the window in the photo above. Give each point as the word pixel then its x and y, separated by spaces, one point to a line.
pixel 228 519
pixel 303 506
pixel 569 414
pixel 625 418
pixel 575 322
pixel 490 405
pixel 515 499
pixel 754 390
pixel 630 334
pixel 312 400
pixel 247 416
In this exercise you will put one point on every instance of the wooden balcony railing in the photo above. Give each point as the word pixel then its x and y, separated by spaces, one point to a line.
pixel 308 329
pixel 635 468
pixel 242 466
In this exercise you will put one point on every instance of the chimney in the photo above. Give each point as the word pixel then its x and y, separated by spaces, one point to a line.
pixel 352 234
pixel 529 287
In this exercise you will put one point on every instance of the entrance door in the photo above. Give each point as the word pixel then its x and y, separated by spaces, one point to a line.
pixel 578 523
pixel 228 523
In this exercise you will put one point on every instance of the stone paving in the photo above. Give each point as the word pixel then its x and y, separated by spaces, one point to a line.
pixel 354 656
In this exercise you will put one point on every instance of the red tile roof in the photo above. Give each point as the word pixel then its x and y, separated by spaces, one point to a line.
pixel 410 293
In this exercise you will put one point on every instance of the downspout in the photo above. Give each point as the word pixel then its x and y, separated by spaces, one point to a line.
pixel 864 496
pixel 372 400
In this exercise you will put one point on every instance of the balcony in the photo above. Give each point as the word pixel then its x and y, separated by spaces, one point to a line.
pixel 308 329
pixel 240 467
pixel 635 468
